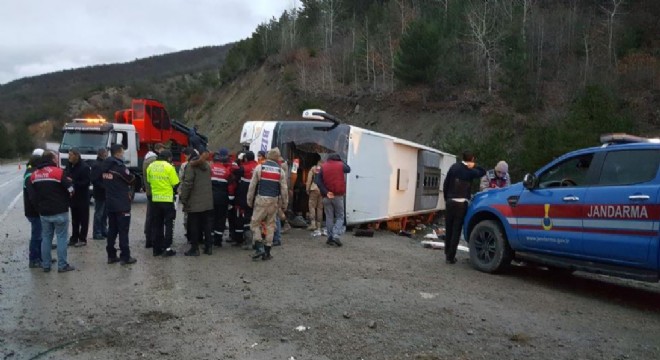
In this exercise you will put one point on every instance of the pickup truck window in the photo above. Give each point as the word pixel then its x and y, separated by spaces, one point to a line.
pixel 627 167
pixel 570 172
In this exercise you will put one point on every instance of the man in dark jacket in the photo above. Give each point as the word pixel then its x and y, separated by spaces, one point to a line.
pixel 197 200
pixel 148 160
pixel 100 227
pixel 50 192
pixel 31 212
pixel 117 181
pixel 457 194
pixel 79 173
pixel 332 184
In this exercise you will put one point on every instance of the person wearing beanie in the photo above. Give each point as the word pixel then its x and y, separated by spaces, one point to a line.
pixel 220 179
pixel 162 178
pixel 32 212
pixel 496 178
pixel 266 188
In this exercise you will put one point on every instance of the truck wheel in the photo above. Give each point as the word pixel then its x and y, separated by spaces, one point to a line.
pixel 489 250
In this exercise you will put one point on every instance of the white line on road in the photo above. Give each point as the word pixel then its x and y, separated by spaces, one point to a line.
pixel 11 206
pixel 10 181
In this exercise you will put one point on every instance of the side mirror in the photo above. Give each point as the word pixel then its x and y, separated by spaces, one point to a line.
pixel 530 181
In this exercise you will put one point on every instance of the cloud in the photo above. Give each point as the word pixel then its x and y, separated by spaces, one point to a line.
pixel 41 36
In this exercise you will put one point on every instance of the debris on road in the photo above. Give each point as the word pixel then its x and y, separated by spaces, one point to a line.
pixel 372 324
pixel 302 328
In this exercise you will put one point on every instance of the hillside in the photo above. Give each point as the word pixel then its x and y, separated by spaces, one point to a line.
pixel 47 96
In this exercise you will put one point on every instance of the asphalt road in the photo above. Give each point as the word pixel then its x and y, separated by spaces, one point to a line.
pixel 11 188
pixel 384 297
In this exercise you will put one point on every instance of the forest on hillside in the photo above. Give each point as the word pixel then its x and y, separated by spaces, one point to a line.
pixel 555 73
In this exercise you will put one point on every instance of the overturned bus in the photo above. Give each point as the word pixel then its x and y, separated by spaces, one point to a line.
pixel 390 178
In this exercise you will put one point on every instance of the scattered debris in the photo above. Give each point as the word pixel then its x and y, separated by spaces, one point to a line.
pixel 519 338
pixel 406 233
pixel 372 324
pixel 428 295
pixel 432 236
pixel 470 332
pixel 441 245
pixel 246 281
pixel 347 315
pixel 302 328
pixel 292 358
pixel 200 297
pixel 246 297
pixel 284 339
pixel 254 345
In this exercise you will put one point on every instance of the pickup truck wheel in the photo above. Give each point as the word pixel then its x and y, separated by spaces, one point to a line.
pixel 489 249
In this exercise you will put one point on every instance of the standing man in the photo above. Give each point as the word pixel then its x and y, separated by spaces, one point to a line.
pixel 220 179
pixel 332 184
pixel 117 181
pixel 32 213
pixel 457 193
pixel 315 200
pixel 188 153
pixel 79 173
pixel 148 159
pixel 197 200
pixel 50 192
pixel 269 184
pixel 162 178
pixel 244 173
pixel 496 178
pixel 100 225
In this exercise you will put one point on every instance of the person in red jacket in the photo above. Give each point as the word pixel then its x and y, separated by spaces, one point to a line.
pixel 244 173
pixel 332 184
pixel 50 193
pixel 221 177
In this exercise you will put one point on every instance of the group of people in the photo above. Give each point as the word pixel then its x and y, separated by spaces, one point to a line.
pixel 50 192
pixel 249 194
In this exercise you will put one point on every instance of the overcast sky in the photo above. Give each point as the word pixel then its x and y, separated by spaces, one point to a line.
pixel 42 36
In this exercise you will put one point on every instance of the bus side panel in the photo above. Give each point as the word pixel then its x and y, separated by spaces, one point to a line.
pixel 382 179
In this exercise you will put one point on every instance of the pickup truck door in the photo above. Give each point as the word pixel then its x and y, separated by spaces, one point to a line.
pixel 622 211
pixel 549 217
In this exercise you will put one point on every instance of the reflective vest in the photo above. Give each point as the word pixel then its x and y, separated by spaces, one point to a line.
pixel 162 178
pixel 220 174
pixel 269 183
pixel 494 181
pixel 248 171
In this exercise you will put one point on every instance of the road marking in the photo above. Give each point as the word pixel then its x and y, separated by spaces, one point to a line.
pixel 11 206
pixel 10 181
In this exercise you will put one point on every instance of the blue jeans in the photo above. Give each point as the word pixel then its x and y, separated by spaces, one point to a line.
pixel 35 239
pixel 57 225
pixel 277 237
pixel 334 215
pixel 100 228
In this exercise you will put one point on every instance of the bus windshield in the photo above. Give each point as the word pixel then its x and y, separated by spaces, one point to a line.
pixel 88 142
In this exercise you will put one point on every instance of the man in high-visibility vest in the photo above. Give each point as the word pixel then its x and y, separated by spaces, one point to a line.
pixel 162 179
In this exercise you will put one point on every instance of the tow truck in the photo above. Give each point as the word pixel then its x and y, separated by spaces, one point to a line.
pixel 137 129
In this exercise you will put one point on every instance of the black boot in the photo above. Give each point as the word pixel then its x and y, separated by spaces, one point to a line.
pixel 267 255
pixel 260 251
pixel 194 251
pixel 208 250
pixel 217 240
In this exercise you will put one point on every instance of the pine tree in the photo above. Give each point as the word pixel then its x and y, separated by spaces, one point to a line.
pixel 418 58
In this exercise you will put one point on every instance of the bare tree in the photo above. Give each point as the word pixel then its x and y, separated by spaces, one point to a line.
pixel 611 12
pixel 485 35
